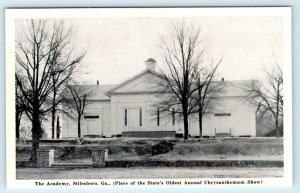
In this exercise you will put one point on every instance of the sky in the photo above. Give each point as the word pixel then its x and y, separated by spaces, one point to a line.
pixel 116 48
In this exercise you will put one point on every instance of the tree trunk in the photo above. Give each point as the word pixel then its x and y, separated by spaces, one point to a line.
pixel 53 122
pixel 57 128
pixel 200 124
pixel 36 134
pixel 79 128
pixel 277 127
pixel 200 110
pixel 18 121
pixel 53 108
pixel 277 111
pixel 185 118
pixel 185 126
pixel 35 147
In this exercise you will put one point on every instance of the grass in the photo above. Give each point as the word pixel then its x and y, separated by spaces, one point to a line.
pixel 192 149
pixel 207 149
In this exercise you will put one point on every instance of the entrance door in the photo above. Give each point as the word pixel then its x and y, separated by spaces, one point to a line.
pixel 222 125
pixel 222 128
pixel 133 119
pixel 94 126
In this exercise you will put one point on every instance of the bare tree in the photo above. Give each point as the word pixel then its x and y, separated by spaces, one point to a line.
pixel 63 70
pixel 268 95
pixel 43 51
pixel 182 55
pixel 21 108
pixel 75 101
pixel 207 92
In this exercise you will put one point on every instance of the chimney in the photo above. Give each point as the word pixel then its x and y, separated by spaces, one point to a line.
pixel 97 82
pixel 222 79
pixel 150 64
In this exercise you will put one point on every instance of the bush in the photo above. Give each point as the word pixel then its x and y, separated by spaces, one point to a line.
pixel 162 147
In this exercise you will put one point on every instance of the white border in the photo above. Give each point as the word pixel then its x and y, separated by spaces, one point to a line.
pixel 12 14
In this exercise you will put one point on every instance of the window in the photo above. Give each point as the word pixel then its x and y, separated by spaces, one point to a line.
pixel 141 117
pixel 125 123
pixel 222 114
pixel 158 117
pixel 173 116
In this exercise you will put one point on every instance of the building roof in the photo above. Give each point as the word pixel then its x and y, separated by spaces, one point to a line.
pixel 103 92
pixel 232 88
pixel 147 71
pixel 235 88
pixel 99 92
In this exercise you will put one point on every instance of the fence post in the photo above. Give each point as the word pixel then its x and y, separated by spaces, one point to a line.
pixel 215 132
pixel 51 157
pixel 99 157
pixel 45 158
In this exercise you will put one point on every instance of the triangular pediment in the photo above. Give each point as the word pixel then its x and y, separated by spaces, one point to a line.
pixel 141 83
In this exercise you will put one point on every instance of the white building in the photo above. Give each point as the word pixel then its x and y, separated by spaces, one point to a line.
pixel 127 109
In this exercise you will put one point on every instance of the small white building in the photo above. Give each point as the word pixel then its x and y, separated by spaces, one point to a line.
pixel 127 110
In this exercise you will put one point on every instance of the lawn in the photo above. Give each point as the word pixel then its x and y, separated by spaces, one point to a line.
pixel 192 149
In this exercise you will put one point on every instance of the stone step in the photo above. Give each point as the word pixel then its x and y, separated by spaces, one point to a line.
pixel 223 135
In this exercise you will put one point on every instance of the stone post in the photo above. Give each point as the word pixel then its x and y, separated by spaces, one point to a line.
pixel 98 157
pixel 51 157
pixel 45 158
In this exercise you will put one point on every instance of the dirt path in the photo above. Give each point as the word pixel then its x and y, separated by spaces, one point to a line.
pixel 141 172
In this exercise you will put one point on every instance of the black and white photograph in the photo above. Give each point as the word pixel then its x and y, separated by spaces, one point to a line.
pixel 145 97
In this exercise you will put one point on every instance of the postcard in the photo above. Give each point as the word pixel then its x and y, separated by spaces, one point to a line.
pixel 148 97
